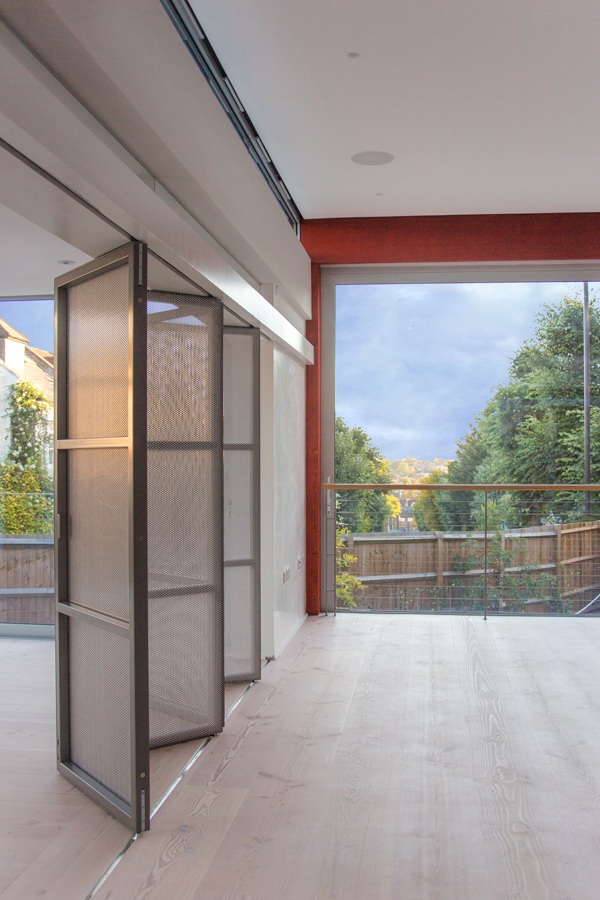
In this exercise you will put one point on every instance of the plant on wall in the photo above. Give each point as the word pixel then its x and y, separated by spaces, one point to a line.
pixel 512 580
pixel 348 588
pixel 25 482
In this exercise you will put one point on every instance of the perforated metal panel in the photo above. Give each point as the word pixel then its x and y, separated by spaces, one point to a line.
pixel 100 706
pixel 139 558
pixel 185 537
pixel 182 541
pixel 98 357
pixel 241 405
pixel 185 684
pixel 239 508
pixel 101 539
pixel 98 483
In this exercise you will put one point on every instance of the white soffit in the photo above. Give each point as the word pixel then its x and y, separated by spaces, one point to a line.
pixel 30 257
pixel 487 106
pixel 125 60
pixel 41 119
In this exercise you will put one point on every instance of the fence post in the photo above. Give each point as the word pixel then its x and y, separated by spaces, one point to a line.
pixel 485 550
pixel 439 560
pixel 330 549
pixel 559 561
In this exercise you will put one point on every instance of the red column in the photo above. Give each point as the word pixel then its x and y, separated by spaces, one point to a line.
pixel 313 453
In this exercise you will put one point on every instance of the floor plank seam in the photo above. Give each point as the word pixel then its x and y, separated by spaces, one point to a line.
pixel 168 793
pixel 112 867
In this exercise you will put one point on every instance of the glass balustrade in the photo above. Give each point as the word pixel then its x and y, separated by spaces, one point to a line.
pixel 506 550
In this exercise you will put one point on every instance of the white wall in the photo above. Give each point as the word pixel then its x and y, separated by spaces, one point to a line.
pixel 7 378
pixel 13 354
pixel 283 523
pixel 289 547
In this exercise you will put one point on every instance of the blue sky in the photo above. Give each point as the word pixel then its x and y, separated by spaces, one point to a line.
pixel 33 318
pixel 416 363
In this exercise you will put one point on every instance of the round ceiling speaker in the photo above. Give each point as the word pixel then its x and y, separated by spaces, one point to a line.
pixel 372 158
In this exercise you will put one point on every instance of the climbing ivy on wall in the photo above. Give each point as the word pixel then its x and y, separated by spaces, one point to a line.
pixel 26 505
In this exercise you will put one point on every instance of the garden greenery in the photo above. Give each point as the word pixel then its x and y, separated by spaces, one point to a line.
pixel 25 481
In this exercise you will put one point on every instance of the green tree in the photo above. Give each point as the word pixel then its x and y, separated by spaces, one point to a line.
pixel 455 507
pixel 509 584
pixel 427 509
pixel 25 482
pixel 531 431
pixel 358 461
pixel 529 418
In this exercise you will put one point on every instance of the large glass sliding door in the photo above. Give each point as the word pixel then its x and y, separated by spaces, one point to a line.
pixel 460 439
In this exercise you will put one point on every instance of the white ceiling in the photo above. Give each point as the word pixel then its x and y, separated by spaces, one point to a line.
pixel 29 257
pixel 488 106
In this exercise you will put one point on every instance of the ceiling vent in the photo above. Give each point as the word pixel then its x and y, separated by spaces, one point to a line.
pixel 193 36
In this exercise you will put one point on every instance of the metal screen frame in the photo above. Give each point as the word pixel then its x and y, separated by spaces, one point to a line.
pixel 253 673
pixel 212 445
pixel 135 814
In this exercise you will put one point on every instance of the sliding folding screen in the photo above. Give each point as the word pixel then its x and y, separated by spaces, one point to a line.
pixel 139 549
pixel 101 532
pixel 241 408
pixel 185 521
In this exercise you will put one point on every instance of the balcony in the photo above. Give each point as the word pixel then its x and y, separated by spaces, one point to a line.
pixel 480 549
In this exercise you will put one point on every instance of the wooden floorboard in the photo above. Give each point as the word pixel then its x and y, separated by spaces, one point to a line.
pixel 55 843
pixel 396 758
pixel 385 757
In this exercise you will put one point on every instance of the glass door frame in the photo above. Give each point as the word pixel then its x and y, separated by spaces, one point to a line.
pixel 403 273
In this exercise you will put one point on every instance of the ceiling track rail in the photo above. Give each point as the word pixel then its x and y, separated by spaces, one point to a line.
pixel 186 23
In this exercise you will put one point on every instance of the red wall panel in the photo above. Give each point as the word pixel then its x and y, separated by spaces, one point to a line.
pixel 423 239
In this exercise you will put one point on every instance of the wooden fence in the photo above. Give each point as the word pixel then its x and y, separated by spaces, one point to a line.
pixel 444 570
pixel 27 579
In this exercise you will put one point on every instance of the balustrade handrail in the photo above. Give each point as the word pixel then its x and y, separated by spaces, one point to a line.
pixel 462 487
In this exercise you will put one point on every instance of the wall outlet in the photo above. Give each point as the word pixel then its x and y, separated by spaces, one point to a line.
pixel 286 574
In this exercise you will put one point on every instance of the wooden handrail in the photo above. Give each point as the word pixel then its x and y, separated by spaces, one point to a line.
pixel 462 487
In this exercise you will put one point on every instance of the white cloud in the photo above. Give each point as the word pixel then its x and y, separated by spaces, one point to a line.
pixel 416 363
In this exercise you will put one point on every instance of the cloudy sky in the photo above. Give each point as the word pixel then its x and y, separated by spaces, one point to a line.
pixel 33 318
pixel 416 363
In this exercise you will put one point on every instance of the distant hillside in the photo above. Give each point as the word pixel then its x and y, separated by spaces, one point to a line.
pixel 409 469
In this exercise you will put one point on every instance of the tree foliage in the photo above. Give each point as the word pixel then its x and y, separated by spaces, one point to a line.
pixel 348 588
pixel 531 431
pixel 25 481
pixel 358 461
pixel 510 583
pixel 426 508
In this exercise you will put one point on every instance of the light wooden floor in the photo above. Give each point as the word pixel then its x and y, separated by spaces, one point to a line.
pixel 54 842
pixel 396 757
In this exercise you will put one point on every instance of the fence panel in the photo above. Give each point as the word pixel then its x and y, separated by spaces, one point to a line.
pixel 27 579
pixel 430 571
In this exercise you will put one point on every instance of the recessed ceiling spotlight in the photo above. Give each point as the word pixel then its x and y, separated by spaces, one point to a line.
pixel 372 158
pixel 353 55
pixel 66 262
